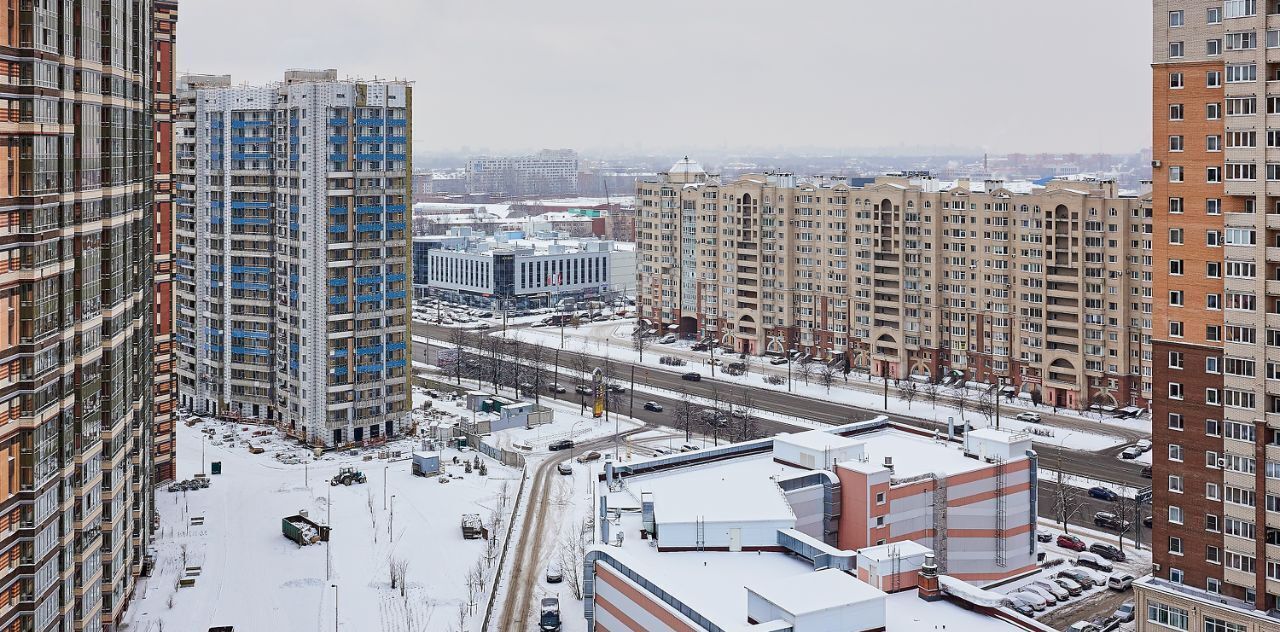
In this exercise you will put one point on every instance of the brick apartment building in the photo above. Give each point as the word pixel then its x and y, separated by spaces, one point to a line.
pixel 1045 290
pixel 1216 411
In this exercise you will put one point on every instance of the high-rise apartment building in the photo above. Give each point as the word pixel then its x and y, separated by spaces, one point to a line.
pixel 76 293
pixel 1044 290
pixel 1216 414
pixel 293 263
pixel 549 172
pixel 165 399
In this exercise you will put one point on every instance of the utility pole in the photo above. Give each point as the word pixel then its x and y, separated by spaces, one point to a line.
pixel 556 378
pixel 999 388
pixel 328 545
pixel 631 410
pixel 884 375
pixel 384 487
pixel 713 356
pixel 335 607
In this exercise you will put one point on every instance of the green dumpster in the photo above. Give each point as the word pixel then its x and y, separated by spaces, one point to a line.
pixel 216 467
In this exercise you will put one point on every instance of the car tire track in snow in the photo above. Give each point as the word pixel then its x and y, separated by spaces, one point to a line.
pixel 524 568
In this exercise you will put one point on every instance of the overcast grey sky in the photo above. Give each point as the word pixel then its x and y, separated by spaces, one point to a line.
pixel 673 75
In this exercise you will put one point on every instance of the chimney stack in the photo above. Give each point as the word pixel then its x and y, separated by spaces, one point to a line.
pixel 927 585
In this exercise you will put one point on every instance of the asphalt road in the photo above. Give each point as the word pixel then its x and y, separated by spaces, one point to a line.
pixel 1101 466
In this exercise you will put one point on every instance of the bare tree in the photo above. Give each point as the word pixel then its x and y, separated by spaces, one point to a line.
pixel 462 616
pixel 475 582
pixel 538 366
pixel 582 364
pixel 805 368
pixel 683 415
pixel 907 390
pixel 640 340
pixel 963 403
pixel 493 352
pixel 747 415
pixel 1127 510
pixel 986 405
pixel 460 340
pixel 931 391
pixel 373 516
pixel 399 569
pixel 573 553
pixel 1067 500
pixel 826 375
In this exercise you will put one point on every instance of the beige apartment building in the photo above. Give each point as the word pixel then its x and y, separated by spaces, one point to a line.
pixel 1043 290
pixel 1216 410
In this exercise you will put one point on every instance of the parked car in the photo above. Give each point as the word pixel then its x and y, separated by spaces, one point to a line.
pixel 689 447
pixel 1094 561
pixel 1070 585
pixel 564 468
pixel 700 346
pixel 556 388
pixel 1124 613
pixel 1143 444
pixel 1110 521
pixel 1146 471
pixel 1146 522
pixel 563 444
pixel 667 339
pixel 1071 542
pixel 582 389
pixel 1079 576
pixel 1028 417
pixel 1120 581
pixel 715 361
pixel 692 377
pixel 549 618
pixel 1058 592
pixel 1102 493
pixel 1020 606
pixel 777 361
pixel 1044 536
pixel 1048 597
pixel 653 406
pixel 1037 602
pixel 1083 626
pixel 663 450
pixel 587 457
pixel 554 576
pixel 1131 452
pixel 1107 551
pixel 617 388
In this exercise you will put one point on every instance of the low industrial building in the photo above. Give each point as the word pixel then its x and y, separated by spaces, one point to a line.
pixel 745 537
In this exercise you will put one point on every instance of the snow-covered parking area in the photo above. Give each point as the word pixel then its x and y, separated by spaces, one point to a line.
pixel 227 538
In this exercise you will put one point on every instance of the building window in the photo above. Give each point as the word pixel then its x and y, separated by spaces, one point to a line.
pixel 1175 359
pixel 1175 545
pixel 1168 616
pixel 1212 624
pixel 1175 50
pixel 1242 73
pixel 1175 236
pixel 1175 576
pixel 1213 143
pixel 1175 143
pixel 879 498
pixel 1213 47
pixel 1213 555
pixel 1175 515
pixel 1175 18
pixel 1175 390
pixel 1175 205
pixel 1175 298
pixel 1175 421
pixel 1175 80
pixel 1213 15
pixel 1175 328
pixel 1175 452
pixel 1212 111
pixel 1213 79
pixel 1175 112
pixel 1175 267
pixel 1175 483
pixel 1175 174
pixel 1213 175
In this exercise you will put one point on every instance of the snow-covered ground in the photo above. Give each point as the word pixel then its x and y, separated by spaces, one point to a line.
pixel 252 577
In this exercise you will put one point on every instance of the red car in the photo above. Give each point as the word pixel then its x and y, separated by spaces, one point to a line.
pixel 1071 542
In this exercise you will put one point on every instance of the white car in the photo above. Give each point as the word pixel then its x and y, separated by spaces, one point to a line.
pixel 1120 581
pixel 1048 597
pixel 1143 444
pixel 1131 452
pixel 1029 417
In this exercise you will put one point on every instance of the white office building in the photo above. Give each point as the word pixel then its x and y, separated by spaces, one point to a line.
pixel 550 172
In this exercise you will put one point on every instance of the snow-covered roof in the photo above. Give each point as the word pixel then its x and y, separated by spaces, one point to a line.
pixel 685 165
pixel 814 592
pixel 741 489
pixel 912 455
pixel 817 440
pixel 907 612
pixel 903 549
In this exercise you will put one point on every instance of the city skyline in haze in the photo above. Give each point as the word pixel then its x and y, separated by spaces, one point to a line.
pixel 998 76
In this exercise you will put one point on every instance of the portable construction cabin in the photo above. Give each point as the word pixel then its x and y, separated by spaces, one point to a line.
pixel 426 464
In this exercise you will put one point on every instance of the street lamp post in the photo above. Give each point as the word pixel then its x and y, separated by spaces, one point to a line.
pixel 335 607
